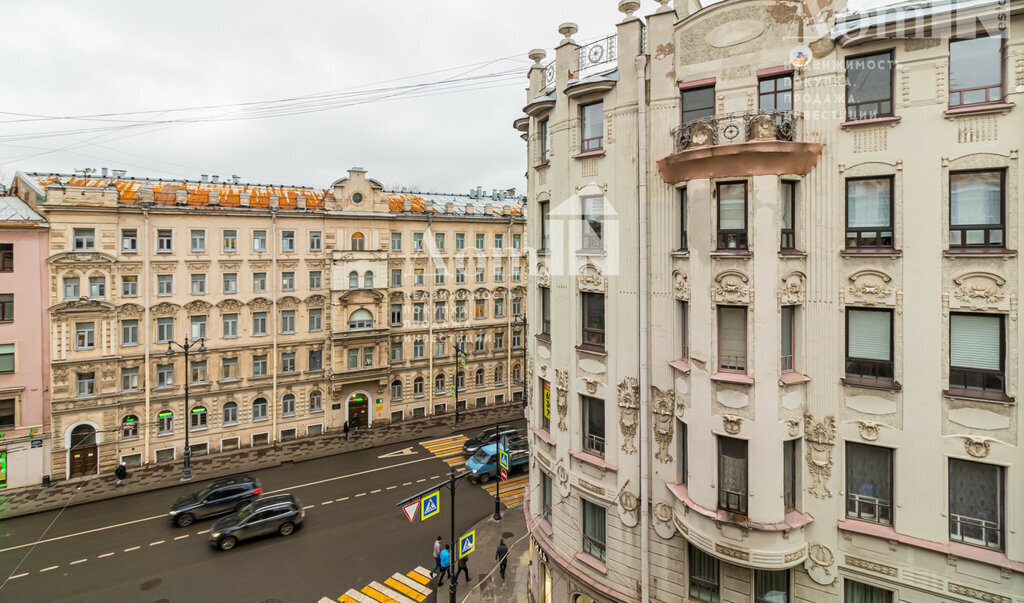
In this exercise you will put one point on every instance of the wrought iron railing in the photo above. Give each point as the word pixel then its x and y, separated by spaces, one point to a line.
pixel 972 530
pixel 868 508
pixel 735 502
pixel 594 443
pixel 596 54
pixel 549 74
pixel 735 127
pixel 977 380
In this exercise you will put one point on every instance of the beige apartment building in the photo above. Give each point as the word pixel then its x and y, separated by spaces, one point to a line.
pixel 775 345
pixel 308 308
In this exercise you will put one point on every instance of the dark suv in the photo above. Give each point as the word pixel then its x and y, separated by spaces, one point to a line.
pixel 222 496
pixel 279 514
pixel 486 437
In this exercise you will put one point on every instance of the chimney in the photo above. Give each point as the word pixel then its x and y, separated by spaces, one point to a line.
pixel 469 208
pixel 449 208
pixel 104 172
pixel 300 202
pixel 235 178
pixel 146 194
pixel 506 210
pixel 407 205
pixel 214 198
pixel 205 178
pixel 181 196
pixel 216 179
pixel 118 173
pixel 243 199
pixel 273 201
pixel 479 192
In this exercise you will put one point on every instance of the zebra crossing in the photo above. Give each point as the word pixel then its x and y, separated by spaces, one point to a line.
pixel 410 587
pixel 450 451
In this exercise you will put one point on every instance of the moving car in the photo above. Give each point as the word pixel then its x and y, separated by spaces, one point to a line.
pixel 219 497
pixel 487 436
pixel 280 514
pixel 482 465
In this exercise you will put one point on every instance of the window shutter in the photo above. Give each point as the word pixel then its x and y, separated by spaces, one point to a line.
pixel 870 335
pixel 733 332
pixel 974 341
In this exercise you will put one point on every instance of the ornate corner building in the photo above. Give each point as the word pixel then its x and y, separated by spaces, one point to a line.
pixel 314 307
pixel 775 348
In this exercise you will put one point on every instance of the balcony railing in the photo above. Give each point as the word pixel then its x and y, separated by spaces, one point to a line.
pixel 868 508
pixel 596 54
pixel 594 443
pixel 979 532
pixel 977 380
pixel 735 502
pixel 736 127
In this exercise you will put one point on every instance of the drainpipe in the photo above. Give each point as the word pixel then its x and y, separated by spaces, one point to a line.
pixel 146 328
pixel 644 219
pixel 273 322
pixel 508 313
pixel 429 310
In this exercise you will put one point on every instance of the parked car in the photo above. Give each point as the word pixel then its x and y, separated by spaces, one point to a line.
pixel 482 465
pixel 280 514
pixel 219 497
pixel 487 436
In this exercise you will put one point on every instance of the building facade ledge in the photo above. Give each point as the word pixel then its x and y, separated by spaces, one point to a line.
pixel 737 378
pixel 680 253
pixel 592 459
pixel 877 384
pixel 731 253
pixel 980 108
pixel 754 158
pixel 963 394
pixel 870 253
pixel 877 121
pixel 981 252
pixel 544 435
pixel 592 153
pixel 792 379
pixel 682 365
pixel 592 562
pixel 792 520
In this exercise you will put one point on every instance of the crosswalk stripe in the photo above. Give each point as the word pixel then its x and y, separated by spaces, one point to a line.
pixel 326 600
pixel 453 438
pixel 456 462
pixel 402 588
pixel 354 596
pixel 377 595
pixel 411 584
pixel 395 595
pixel 440 450
pixel 420 574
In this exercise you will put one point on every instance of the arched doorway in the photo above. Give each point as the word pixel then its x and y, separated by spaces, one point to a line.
pixel 82 457
pixel 359 407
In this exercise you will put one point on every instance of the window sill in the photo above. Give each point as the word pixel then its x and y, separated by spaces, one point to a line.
pixel 131 439
pixel 259 378
pixel 592 459
pixel 682 365
pixel 680 253
pixel 592 349
pixel 318 371
pixel 964 394
pixel 260 420
pixel 545 525
pixel 316 410
pixel 544 435
pixel 791 520
pixel 195 429
pixel 542 165
pixel 969 252
pixel 165 433
pixel 792 253
pixel 980 108
pixel 590 153
pixel 164 388
pixel 591 561
pixel 875 253
pixel 792 378
pixel 876 121
pixel 230 424
pixel 592 252
pixel 738 378
pixel 229 380
pixel 259 334
pixel 731 253
pixel 878 384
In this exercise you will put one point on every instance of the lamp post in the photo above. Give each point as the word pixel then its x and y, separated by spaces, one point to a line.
pixel 460 363
pixel 520 321
pixel 186 471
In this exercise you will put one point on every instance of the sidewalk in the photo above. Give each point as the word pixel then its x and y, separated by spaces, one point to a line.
pixel 487 585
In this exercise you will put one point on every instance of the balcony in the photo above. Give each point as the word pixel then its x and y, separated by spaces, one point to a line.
pixel 749 143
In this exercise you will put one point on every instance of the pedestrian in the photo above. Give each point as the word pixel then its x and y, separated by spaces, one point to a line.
pixel 346 430
pixel 437 557
pixel 121 473
pixel 355 424
pixel 502 557
pixel 462 568
pixel 445 559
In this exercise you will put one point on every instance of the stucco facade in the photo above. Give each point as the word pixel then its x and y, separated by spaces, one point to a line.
pixel 304 298
pixel 768 360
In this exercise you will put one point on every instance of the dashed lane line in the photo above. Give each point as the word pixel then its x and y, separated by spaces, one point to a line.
pixel 375 491
pixel 105 555
pixel 132 548
pixel 77 562
pixel 308 507
pixel 16 576
pixel 341 499
pixel 421 480
pixel 157 542
pixel 390 487
pixel 407 484
pixel 360 494
pixel 327 502
pixel 46 569
pixel 182 537
pixel 203 532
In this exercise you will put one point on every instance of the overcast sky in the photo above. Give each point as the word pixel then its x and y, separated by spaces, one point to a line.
pixel 89 57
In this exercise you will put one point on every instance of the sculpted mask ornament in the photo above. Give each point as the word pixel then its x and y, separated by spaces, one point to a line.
pixel 977 447
pixel 792 290
pixel 821 438
pixel 629 405
pixel 562 389
pixel 731 288
pixel 590 280
pixel 732 424
pixel 664 409
pixel 680 285
pixel 868 430
pixel 870 288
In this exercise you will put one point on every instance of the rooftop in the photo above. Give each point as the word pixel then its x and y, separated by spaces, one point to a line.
pixel 14 210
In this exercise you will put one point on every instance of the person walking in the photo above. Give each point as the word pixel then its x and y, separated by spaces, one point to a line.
pixel 346 430
pixel 355 425
pixel 445 559
pixel 121 473
pixel 462 568
pixel 502 557
pixel 437 557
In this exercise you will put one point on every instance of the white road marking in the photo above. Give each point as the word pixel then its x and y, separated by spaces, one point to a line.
pixel 421 480
pixel 18 576
pixel 407 484
pixel 327 502
pixel 182 537
pixel 77 562
pixel 105 555
pixel 46 569
pixel 308 506
pixel 375 491
pixel 157 542
pixel 134 548
pixel 434 476
pixel 403 452
pixel 341 499
pixel 390 487
pixel 203 532
pixel 360 494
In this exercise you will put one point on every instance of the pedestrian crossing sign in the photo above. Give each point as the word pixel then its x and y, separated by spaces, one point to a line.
pixel 503 458
pixel 467 543
pixel 451 388
pixel 430 505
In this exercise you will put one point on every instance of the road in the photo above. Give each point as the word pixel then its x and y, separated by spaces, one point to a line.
pixel 125 549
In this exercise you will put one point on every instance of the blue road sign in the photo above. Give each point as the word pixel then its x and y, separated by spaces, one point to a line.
pixel 503 459
pixel 467 543
pixel 430 505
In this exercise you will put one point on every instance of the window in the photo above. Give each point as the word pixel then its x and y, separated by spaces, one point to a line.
pixel 856 592
pixel 976 352
pixel 198 284
pixel 396 277
pixel 164 329
pixel 130 428
pixel 396 351
pixel 230 325
pixel 543 140
pixel 787 232
pixel 198 330
pixel 315 280
pixel 315 241
pixel 97 287
pixel 367 356
pixel 732 339
pixel 545 225
pixel 592 221
pixel 460 380
pixel 480 277
pixel 129 379
pixel 316 319
pixel 517 306
pixel 592 118
pixel 417 274
pixel 593 425
pixel 684 321
pixel 869 213
pixel 771 586
pixel 71 288
pixel 288 405
pixel 259 409
pixel 545 311
pixel 287 321
pixel 417 313
pixel 396 314
pixel 164 422
pixel 977 209
pixel 732 475
pixel 353 280
pixel 499 274
pixel 86 384
pixel 368 280
pixel 499 307
pixel 480 309
pixel 684 454
pixel 732 215
pixel 229 242
pixel 314 430
pixel 353 358
pixel 517 274
pixel 869 86
pixel 775 93
pixel 593 319
pixel 7 358
pixel 230 413
pixel 790 474
pixel 7 413
pixel 499 340
pixel 439 311
pixel 869 483
pixel 229 369
pixel 197 419
pixel 6 307
pixel 517 339
pixel 259 323
pixel 499 399
pixel 316 401
pixel 417 241
pixel 417 348
pixel 229 444
pixel 460 276
pixel 480 240
pixel 594 527
pixel 479 343
pixel 85 239
pixel 698 103
pixel 439 276
pixel 260 439
pixel 517 374
pixel 129 286
pixel 360 319
pixel 164 375
pixel 439 348
pixel 460 309
pixel 288 281
pixel 197 241
pixel 259 365
pixel 229 282
pixel 396 241
pixel 287 241
pixel 439 383
pixel 976 71
pixel 130 332
pixel 165 284
pixel 439 241
pixel 976 503
pixel 788 338
pixel 499 241
pixel 165 241
pixel 316 360
pixel 259 282
pixel 259 241
pixel 358 242
pixel 869 344
pixel 85 336
pixel 417 387
pixel 460 241
pixel 129 240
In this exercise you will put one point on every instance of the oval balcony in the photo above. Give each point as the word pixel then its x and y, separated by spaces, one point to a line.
pixel 748 143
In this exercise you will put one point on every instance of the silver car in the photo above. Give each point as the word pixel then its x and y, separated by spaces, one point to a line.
pixel 279 514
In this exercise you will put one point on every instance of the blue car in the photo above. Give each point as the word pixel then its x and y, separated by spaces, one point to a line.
pixel 482 465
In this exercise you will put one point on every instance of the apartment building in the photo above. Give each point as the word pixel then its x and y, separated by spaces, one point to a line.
pixel 291 293
pixel 775 353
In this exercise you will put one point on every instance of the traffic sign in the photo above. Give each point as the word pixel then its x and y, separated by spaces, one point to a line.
pixel 410 510
pixel 504 474
pixel 452 389
pixel 430 505
pixel 503 458
pixel 467 543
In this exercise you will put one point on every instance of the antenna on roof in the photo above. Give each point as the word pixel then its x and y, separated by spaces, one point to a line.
pixel 118 173
pixel 84 171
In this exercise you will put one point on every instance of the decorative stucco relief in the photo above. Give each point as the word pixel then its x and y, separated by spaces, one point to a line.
pixel 591 385
pixel 230 304
pixel 629 405
pixel 680 285
pixel 543 276
pixel 590 280
pixel 196 306
pixel 129 310
pixel 793 426
pixel 979 291
pixel 821 439
pixel 732 424
pixel 820 560
pixel 630 504
pixel 731 288
pixel 562 389
pixel 664 403
pixel 165 309
pixel 977 447
pixel 868 430
pixel 260 303
pixel 792 291
pixel 870 288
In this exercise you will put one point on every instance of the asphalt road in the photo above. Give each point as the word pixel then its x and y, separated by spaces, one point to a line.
pixel 126 549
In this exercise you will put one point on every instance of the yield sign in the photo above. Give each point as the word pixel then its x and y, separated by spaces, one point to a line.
pixel 410 510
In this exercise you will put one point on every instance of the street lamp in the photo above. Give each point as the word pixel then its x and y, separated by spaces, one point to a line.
pixel 460 363
pixel 186 471
pixel 520 321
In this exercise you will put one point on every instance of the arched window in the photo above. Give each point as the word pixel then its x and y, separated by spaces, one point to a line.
pixel 479 377
pixel 259 409
pixel 316 401
pixel 460 380
pixel 130 428
pixel 368 280
pixel 396 390
pixel 417 386
pixel 288 405
pixel 499 376
pixel 164 422
pixel 230 413
pixel 517 373
pixel 360 319
pixel 197 418
pixel 358 242
pixel 439 383
pixel 353 280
